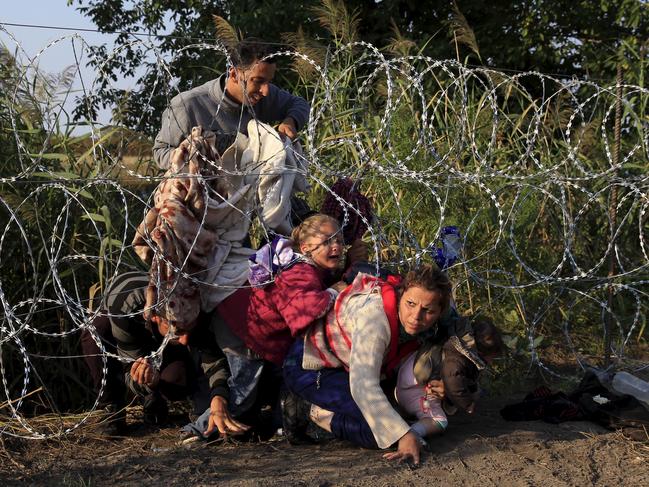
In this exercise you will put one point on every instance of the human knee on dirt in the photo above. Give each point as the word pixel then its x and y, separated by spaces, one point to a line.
pixel 457 362
pixel 336 369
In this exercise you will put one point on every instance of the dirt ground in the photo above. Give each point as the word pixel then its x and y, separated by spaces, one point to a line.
pixel 476 450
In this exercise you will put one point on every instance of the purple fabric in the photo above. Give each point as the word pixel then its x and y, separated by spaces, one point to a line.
pixel 269 259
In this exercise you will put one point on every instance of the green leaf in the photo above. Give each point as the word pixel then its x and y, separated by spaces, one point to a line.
pixel 113 242
pixel 94 217
pixel 85 194
pixel 107 219
pixel 630 165
pixel 56 175
pixel 511 341
pixel 50 155
pixel 27 131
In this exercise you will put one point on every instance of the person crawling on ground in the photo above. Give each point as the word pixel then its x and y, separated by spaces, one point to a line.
pixel 334 372
pixel 137 332
pixel 284 305
pixel 290 291
pixel 458 365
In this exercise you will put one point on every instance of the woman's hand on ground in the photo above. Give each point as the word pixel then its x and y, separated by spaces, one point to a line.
pixel 408 449
pixel 144 373
pixel 221 420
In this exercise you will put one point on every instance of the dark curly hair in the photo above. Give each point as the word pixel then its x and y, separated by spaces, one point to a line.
pixel 431 278
pixel 488 339
pixel 249 51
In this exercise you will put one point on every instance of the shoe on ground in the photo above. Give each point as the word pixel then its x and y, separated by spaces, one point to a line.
pixel 156 410
pixel 295 419
pixel 111 420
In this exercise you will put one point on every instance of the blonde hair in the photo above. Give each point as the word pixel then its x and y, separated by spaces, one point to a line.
pixel 310 227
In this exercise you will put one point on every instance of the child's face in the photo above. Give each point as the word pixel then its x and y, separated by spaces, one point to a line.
pixel 419 309
pixel 325 247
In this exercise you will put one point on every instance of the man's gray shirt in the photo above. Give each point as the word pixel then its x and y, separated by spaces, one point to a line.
pixel 208 106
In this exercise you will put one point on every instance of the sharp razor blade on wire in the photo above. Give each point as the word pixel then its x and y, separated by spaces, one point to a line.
pixel 460 147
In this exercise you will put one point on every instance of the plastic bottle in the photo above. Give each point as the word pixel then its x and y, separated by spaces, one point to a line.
pixel 451 247
pixel 626 383
pixel 451 243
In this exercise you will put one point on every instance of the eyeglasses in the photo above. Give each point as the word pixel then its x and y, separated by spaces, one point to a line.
pixel 336 238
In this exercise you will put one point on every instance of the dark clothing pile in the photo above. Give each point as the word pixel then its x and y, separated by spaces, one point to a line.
pixel 542 403
pixel 590 401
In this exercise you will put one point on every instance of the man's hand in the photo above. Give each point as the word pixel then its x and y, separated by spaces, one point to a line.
pixel 408 449
pixel 221 420
pixel 435 389
pixel 288 128
pixel 143 373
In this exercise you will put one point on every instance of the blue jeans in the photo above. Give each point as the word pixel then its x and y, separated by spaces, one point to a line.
pixel 243 381
pixel 329 389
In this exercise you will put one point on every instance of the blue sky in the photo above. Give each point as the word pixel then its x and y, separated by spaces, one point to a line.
pixel 45 12
pixel 60 55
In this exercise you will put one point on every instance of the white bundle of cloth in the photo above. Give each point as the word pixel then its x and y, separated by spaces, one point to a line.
pixel 203 210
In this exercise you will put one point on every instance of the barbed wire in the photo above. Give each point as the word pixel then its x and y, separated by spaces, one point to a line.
pixel 523 164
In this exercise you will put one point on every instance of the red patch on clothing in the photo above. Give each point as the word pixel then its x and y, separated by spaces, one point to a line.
pixel 234 311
